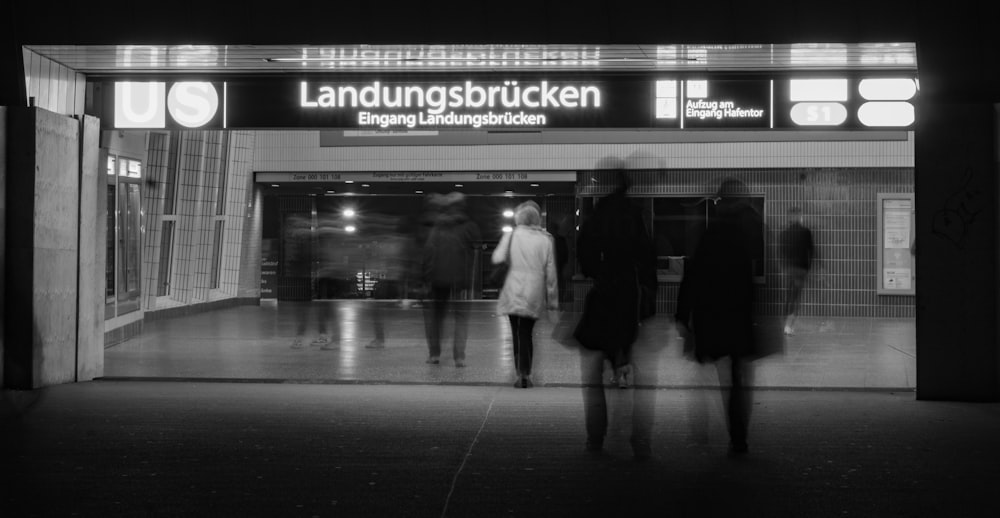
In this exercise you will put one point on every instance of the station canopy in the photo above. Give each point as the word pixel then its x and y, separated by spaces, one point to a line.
pixel 128 60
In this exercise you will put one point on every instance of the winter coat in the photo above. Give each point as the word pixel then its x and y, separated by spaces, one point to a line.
pixel 449 249
pixel 716 298
pixel 615 250
pixel 531 285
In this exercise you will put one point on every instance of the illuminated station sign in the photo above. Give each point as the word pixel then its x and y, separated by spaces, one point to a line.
pixel 534 102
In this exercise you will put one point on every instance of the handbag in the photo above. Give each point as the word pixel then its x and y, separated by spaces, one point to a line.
pixel 499 274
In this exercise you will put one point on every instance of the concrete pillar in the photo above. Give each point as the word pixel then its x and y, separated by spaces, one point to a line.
pixel 3 227
pixel 957 295
pixel 93 210
pixel 43 306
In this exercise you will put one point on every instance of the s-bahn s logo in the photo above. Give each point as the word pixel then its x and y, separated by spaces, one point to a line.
pixel 147 105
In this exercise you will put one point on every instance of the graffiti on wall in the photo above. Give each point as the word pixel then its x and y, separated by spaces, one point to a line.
pixel 955 219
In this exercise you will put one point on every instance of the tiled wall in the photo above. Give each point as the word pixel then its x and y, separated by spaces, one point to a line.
pixel 199 164
pixel 839 206
pixel 55 87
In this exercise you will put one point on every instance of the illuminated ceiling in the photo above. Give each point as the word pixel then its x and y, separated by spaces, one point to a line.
pixel 283 59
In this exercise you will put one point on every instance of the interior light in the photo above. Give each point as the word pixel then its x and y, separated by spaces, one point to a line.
pixel 348 213
pixel 365 185
pixel 818 90
pixel 895 114
pixel 507 229
pixel 419 192
pixel 900 89
pixel 534 185
pixel 508 213
pixel 275 185
pixel 348 181
pixel 349 228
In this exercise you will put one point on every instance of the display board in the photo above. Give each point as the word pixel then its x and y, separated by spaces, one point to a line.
pixel 514 101
pixel 897 242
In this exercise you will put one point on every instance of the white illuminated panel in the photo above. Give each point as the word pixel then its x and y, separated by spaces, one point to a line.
pixel 819 114
pixel 887 89
pixel 818 90
pixel 140 105
pixel 697 89
pixel 666 99
pixel 193 104
pixel 894 114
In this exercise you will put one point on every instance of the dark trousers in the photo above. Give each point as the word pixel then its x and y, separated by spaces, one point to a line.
pixel 736 397
pixel 793 292
pixel 520 332
pixel 321 312
pixel 595 403
pixel 434 318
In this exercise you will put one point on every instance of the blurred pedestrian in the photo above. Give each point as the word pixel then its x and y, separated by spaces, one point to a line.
pixel 390 263
pixel 300 254
pixel 797 254
pixel 715 307
pixel 447 267
pixel 615 250
pixel 531 287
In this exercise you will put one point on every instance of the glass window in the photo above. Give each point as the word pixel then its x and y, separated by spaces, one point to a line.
pixel 220 202
pixel 217 254
pixel 170 175
pixel 166 258
pixel 109 263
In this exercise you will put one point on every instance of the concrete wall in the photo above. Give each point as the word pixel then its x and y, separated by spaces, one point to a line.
pixel 302 151
pixel 42 248
pixel 956 188
pixel 54 87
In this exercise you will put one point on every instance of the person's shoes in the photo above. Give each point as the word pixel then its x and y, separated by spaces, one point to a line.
pixel 622 375
pixel 789 330
pixel 526 382
pixel 321 340
pixel 519 382
pixel 297 343
pixel 375 344
pixel 459 363
pixel 433 360
pixel 738 448
pixel 595 444
pixel 641 450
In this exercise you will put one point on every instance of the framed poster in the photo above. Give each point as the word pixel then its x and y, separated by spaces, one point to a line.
pixel 896 241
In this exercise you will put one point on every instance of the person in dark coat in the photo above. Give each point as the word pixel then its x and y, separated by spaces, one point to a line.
pixel 615 250
pixel 447 265
pixel 715 306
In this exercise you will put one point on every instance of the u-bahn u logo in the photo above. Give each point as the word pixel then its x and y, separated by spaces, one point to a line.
pixel 147 105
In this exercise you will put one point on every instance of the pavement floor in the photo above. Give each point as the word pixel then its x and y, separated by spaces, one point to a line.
pixel 255 343
pixel 345 449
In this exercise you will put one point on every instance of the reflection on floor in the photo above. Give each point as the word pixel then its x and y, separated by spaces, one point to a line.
pixel 256 342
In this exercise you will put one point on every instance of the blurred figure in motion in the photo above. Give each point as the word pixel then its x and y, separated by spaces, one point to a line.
pixel 559 231
pixel 715 307
pixel 531 286
pixel 299 258
pixel 797 253
pixel 615 250
pixel 390 261
pixel 447 270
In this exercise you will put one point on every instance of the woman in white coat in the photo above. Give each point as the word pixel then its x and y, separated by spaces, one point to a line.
pixel 531 286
